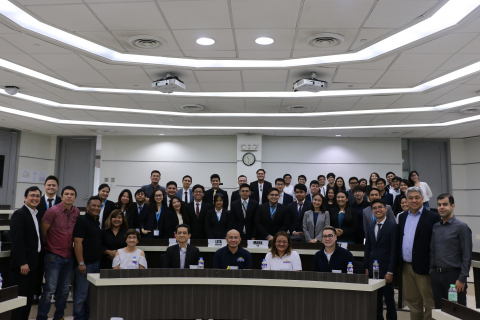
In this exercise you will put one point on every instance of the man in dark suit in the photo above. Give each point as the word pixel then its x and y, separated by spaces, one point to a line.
pixel 260 187
pixel 285 198
pixel 185 193
pixel 384 195
pixel 181 255
pixel 381 245
pixel 271 216
pixel 140 201
pixel 314 189
pixel 243 213
pixel 209 194
pixel 415 230
pixel 236 194
pixel 198 208
pixel 26 246
pixel 298 208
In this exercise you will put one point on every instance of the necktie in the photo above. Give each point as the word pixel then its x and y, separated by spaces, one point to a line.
pixel 214 193
pixel 244 208
pixel 379 225
pixel 186 197
pixel 50 203
pixel 197 211
pixel 140 209
pixel 300 209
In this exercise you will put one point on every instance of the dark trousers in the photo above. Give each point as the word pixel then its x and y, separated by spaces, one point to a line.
pixel 441 282
pixel 389 295
pixel 40 272
pixel 26 288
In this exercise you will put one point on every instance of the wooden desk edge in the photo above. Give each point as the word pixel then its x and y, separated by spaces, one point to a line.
pixel 475 264
pixel 13 304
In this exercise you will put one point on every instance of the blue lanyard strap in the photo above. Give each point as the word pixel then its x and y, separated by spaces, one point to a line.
pixel 158 214
pixel 272 212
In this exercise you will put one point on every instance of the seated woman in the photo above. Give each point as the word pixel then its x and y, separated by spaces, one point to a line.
pixel 315 219
pixel 281 256
pixel 113 237
pixel 217 220
pixel 130 257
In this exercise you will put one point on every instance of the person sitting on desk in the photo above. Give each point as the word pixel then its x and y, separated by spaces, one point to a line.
pixel 182 255
pixel 124 257
pixel 232 254
pixel 281 256
pixel 332 258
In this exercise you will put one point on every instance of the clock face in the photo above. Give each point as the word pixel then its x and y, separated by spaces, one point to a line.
pixel 248 159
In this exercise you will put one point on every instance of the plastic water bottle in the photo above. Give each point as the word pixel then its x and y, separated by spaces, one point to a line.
pixel 452 294
pixel 264 264
pixel 1 281
pixel 201 263
pixel 134 263
pixel 350 268
pixel 376 270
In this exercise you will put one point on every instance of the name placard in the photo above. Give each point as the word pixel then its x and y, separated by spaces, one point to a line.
pixel 343 244
pixel 218 243
pixel 257 244
pixel 173 241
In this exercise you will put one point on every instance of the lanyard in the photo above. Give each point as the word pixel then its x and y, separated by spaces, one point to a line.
pixel 272 212
pixel 373 217
pixel 158 214
pixel 103 205
pixel 53 203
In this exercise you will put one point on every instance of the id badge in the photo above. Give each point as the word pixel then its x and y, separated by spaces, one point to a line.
pixel 156 233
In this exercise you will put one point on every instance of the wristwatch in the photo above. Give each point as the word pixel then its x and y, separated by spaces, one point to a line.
pixel 81 263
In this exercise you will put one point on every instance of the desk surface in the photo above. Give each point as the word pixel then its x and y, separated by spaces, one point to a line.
pixel 13 304
pixel 438 314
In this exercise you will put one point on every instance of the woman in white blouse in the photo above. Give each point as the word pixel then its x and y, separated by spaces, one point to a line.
pixel 130 257
pixel 281 256
pixel 413 177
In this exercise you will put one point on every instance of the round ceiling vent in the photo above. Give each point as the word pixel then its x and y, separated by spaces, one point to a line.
pixel 469 110
pixel 298 107
pixel 104 131
pixel 147 42
pixel 324 40
pixel 192 107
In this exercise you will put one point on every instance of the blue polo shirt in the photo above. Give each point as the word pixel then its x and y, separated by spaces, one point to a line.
pixel 224 258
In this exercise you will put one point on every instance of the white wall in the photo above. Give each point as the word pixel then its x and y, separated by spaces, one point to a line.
pixel 465 159
pixel 36 152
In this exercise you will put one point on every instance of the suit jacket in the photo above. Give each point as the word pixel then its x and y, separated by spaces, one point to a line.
pixel 239 221
pixel 181 194
pixel 349 227
pixel 256 193
pixel 287 199
pixel 108 208
pixel 388 198
pixel 264 223
pixel 236 196
pixel 197 225
pixel 148 221
pixel 132 217
pixel 24 240
pixel 42 207
pixel 172 256
pixel 312 231
pixel 384 249
pixel 208 197
pixel 171 223
pixel 217 229
pixel 296 218
pixel 421 241
pixel 368 218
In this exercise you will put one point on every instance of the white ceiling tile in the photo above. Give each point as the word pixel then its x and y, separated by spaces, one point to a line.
pixel 334 14
pixel 265 14
pixel 221 86
pixel 27 61
pixel 449 43
pixel 103 38
pixel 203 14
pixel 29 44
pixel 187 39
pixel 255 54
pixel 395 14
pixel 57 62
pixel 368 37
pixel 210 54
pixel 403 77
pixel 265 75
pixel 336 104
pixel 218 76
pixel 101 65
pixel 270 86
pixel 381 63
pixel 129 16
pixel 312 102
pixel 226 105
pixel 357 75
pixel 163 106
pixel 381 101
pixel 472 47
pixel 6 29
pixel 348 86
pixel 311 53
pixel 301 44
pixel 6 47
pixel 74 17
pixel 473 27
pixel 83 77
pixel 283 39
pixel 46 2
pixel 458 61
pixel 130 76
pixel 416 61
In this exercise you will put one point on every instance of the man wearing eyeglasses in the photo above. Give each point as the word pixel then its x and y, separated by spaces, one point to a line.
pixel 382 245
pixel 332 258
pixel 243 213
pixel 271 216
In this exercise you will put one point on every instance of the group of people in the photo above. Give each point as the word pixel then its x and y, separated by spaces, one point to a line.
pixel 392 218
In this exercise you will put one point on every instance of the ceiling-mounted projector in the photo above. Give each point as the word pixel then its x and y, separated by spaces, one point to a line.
pixel 310 85
pixel 168 84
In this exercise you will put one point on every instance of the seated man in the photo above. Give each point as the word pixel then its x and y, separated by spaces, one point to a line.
pixel 332 258
pixel 182 255
pixel 232 254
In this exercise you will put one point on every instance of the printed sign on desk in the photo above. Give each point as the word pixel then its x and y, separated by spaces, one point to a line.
pixel 218 243
pixel 257 244
pixel 343 244
pixel 173 241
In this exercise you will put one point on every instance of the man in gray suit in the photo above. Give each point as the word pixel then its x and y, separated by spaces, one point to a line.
pixel 373 194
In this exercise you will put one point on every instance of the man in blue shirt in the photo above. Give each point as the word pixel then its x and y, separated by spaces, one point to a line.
pixel 155 178
pixel 232 254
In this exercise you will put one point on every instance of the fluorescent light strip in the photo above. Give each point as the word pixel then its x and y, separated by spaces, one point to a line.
pixel 54 104
pixel 149 126
pixel 447 16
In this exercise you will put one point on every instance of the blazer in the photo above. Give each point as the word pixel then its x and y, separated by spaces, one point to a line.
pixel 421 241
pixel 256 193
pixel 171 223
pixel 24 240
pixel 239 221
pixel 264 223
pixel 384 249
pixel 368 218
pixel 181 195
pixel 172 257
pixel 217 229
pixel 287 199
pixel 108 208
pixel 131 215
pixel 236 196
pixel 197 225
pixel 349 227
pixel 148 221
pixel 42 207
pixel 388 198
pixel 311 231
pixel 208 197
pixel 296 218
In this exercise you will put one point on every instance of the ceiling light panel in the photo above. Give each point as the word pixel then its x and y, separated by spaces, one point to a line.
pixel 447 16
pixel 205 41
pixel 264 41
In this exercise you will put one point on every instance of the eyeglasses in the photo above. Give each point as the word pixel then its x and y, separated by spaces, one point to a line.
pixel 274 195
pixel 377 208
pixel 328 236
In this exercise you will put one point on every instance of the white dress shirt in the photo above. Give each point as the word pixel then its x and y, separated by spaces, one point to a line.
pixel 289 190
pixel 219 214
pixel 260 192
pixel 35 221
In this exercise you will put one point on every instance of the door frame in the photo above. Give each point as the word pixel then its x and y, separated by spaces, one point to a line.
pixel 14 159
